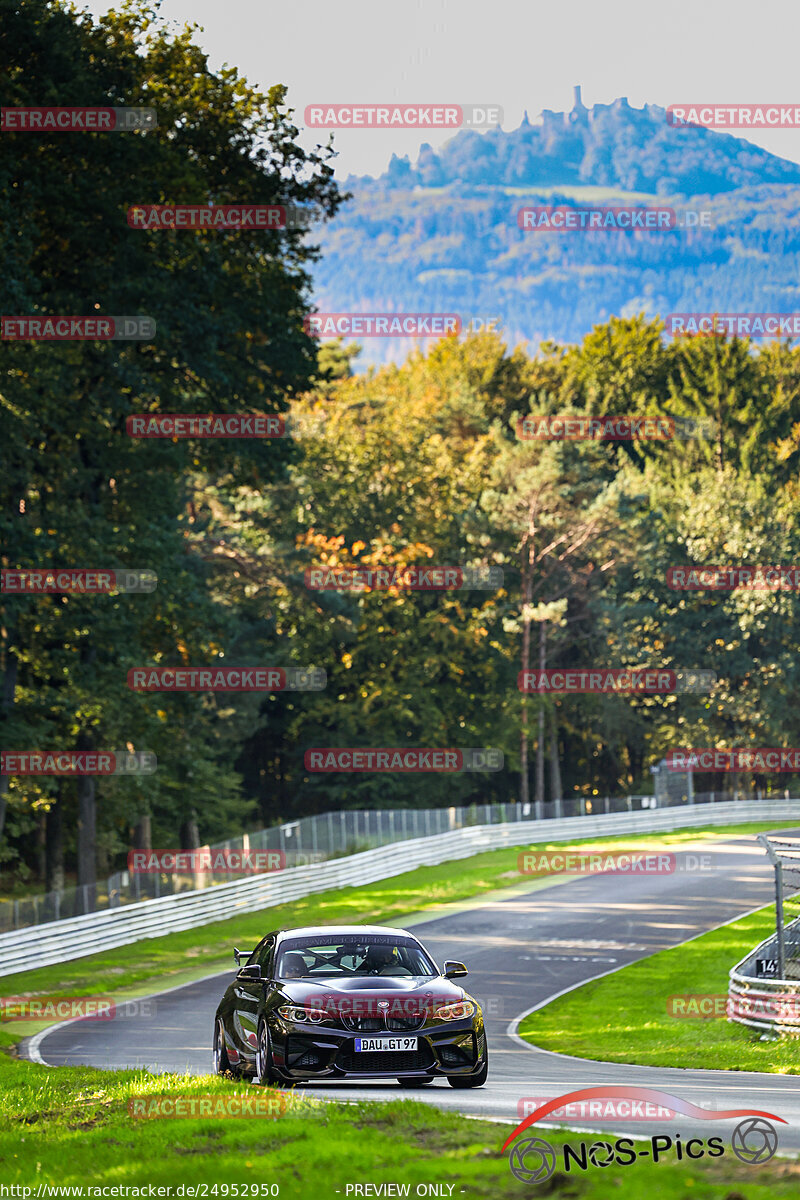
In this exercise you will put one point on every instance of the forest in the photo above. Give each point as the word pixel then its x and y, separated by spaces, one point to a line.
pixel 412 466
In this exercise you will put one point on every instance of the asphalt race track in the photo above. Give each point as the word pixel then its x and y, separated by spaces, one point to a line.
pixel 520 951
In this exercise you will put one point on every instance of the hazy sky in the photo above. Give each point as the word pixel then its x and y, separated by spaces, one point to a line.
pixel 516 53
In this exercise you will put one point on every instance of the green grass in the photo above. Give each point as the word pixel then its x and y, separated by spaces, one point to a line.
pixel 71 1125
pixel 623 1017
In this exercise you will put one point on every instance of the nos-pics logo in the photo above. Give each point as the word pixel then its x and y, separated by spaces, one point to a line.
pixel 533 1160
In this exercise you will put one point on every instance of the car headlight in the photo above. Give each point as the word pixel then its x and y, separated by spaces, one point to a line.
pixel 294 1012
pixel 459 1011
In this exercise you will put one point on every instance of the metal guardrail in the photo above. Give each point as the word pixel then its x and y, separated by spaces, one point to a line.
pixel 302 841
pixel 61 941
pixel 764 987
pixel 313 839
pixel 763 1002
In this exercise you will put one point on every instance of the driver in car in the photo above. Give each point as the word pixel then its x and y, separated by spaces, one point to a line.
pixel 382 960
pixel 294 965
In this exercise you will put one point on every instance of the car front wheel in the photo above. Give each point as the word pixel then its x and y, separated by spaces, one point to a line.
pixel 264 1073
pixel 221 1062
pixel 471 1081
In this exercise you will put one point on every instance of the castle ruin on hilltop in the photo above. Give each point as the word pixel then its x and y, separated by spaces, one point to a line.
pixel 580 115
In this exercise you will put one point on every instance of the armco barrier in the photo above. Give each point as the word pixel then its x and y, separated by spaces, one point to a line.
pixel 768 1004
pixel 331 835
pixel 60 941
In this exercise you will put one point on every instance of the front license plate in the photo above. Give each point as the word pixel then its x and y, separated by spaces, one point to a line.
pixel 386 1043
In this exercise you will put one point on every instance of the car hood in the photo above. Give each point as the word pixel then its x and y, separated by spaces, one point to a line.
pixel 436 988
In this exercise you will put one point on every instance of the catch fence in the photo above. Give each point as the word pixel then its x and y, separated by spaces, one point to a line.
pixel 319 838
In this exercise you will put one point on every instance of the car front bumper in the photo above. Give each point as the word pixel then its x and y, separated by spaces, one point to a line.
pixel 306 1051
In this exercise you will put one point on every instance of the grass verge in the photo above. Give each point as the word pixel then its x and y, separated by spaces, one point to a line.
pixel 624 1016
pixel 72 1128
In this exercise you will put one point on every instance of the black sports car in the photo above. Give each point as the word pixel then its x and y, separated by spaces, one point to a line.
pixel 348 1002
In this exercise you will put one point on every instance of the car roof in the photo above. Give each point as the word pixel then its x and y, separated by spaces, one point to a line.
pixel 327 930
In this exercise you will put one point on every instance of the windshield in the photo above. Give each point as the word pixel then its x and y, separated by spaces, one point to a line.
pixel 332 956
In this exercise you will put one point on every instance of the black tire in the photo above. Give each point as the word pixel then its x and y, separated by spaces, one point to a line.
pixel 219 1052
pixel 264 1074
pixel 414 1080
pixel 471 1081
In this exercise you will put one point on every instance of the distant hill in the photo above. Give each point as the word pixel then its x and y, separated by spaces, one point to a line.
pixel 609 145
pixel 442 234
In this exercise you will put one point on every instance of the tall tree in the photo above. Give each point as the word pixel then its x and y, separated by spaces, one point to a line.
pixel 78 490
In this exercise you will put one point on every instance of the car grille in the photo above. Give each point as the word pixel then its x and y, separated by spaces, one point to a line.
pixel 405 1024
pixel 380 1024
pixel 364 1024
pixel 386 1064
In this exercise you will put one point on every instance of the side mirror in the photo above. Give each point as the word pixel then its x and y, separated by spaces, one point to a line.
pixel 240 954
pixel 253 972
pixel 454 970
